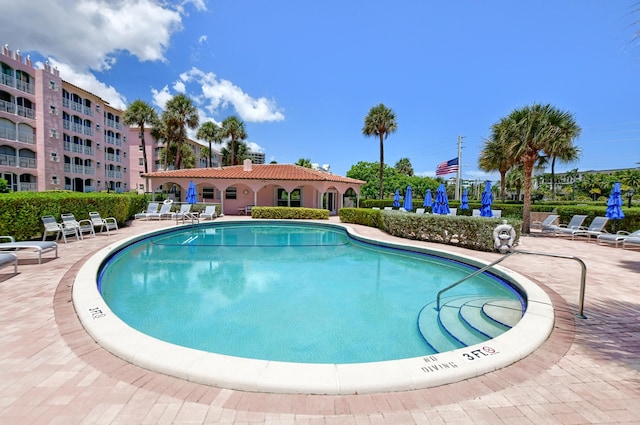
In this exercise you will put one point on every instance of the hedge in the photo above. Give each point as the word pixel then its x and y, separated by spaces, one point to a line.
pixel 21 212
pixel 470 232
pixel 288 213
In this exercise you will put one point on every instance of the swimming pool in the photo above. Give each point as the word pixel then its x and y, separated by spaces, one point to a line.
pixel 251 258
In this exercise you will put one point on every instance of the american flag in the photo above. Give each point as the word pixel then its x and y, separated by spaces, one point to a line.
pixel 447 167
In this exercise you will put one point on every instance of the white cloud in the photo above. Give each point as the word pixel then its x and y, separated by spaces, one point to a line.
pixel 160 97
pixel 89 82
pixel 216 94
pixel 88 34
pixel 254 147
pixel 202 39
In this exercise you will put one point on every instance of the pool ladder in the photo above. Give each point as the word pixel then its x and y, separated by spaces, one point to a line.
pixel 583 276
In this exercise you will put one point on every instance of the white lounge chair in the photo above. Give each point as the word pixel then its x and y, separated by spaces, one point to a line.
pixel 547 223
pixel 388 208
pixel 475 213
pixel 420 210
pixel 100 224
pixel 184 209
pixel 574 224
pixel 152 208
pixel 453 211
pixel 616 238
pixel 38 246
pixel 595 228
pixel 7 259
pixel 630 241
pixel 164 212
pixel 209 213
pixel 82 226
pixel 52 226
pixel 496 213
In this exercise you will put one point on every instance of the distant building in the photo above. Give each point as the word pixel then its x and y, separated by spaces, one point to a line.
pixel 256 157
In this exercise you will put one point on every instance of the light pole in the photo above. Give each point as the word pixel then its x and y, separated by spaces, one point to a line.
pixel 630 195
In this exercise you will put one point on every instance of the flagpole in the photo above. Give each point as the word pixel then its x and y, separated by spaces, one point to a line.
pixel 458 193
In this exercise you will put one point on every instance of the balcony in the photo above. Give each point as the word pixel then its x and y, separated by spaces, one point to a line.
pixel 7 80
pixel 26 137
pixel 24 86
pixel 26 112
pixel 27 163
pixel 27 187
pixel 8 160
pixel 113 174
pixel 7 107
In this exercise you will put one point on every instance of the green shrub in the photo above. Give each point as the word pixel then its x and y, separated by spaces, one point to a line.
pixel 21 212
pixel 290 213
pixel 470 232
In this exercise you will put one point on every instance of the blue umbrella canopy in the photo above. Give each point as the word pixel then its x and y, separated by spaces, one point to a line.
pixel 441 203
pixel 192 198
pixel 614 204
pixel 487 200
pixel 408 201
pixel 428 200
pixel 464 202
pixel 396 199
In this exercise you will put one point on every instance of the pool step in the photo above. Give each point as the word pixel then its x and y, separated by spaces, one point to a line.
pixel 467 320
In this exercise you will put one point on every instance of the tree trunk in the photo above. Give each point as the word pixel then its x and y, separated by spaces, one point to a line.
pixel 381 162
pixel 553 178
pixel 144 157
pixel 503 175
pixel 210 164
pixel 527 165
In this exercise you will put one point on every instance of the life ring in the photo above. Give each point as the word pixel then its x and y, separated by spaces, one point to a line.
pixel 168 201
pixel 504 236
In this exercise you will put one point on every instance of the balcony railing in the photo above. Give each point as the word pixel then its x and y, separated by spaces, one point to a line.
pixel 6 80
pixel 27 163
pixel 8 160
pixel 26 112
pixel 113 174
pixel 24 86
pixel 27 187
pixel 8 133
pixel 7 107
pixel 26 137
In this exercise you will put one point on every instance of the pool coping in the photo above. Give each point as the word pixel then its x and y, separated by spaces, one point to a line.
pixel 302 378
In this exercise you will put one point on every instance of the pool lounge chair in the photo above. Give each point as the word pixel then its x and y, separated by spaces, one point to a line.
pixel 475 213
pixel 547 223
pixel 152 208
pixel 52 226
pixel 184 209
pixel 630 242
pixel 616 238
pixel 165 212
pixel 575 223
pixel 40 247
pixel 420 210
pixel 100 224
pixel 82 226
pixel 209 213
pixel 496 213
pixel 453 211
pixel 7 259
pixel 388 208
pixel 595 228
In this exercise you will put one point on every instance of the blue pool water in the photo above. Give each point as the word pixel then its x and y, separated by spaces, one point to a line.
pixel 288 292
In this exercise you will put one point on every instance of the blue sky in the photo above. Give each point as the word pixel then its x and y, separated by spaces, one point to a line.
pixel 303 75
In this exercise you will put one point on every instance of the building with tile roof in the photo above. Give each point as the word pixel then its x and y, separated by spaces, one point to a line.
pixel 236 187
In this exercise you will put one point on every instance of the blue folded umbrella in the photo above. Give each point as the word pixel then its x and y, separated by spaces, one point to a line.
pixel 408 201
pixel 487 200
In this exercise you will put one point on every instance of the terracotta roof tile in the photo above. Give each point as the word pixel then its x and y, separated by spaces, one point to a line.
pixel 258 171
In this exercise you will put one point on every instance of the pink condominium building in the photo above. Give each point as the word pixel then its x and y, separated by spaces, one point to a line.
pixel 54 135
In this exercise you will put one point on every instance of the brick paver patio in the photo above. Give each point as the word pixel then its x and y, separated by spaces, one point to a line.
pixel 588 371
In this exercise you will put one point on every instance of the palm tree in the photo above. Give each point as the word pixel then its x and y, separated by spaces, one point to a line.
pixel 238 149
pixel 531 130
pixel 210 132
pixel 233 128
pixel 139 113
pixel 182 114
pixel 304 162
pixel 167 135
pixel 561 148
pixel 495 154
pixel 381 121
pixel 403 166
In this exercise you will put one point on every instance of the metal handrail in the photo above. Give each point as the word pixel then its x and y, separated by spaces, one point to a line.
pixel 583 277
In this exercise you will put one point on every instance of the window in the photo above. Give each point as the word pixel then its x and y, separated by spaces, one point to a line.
pixel 141 186
pixel 52 85
pixel 53 133
pixel 141 161
pixel 231 193
pixel 53 110
pixel 295 198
